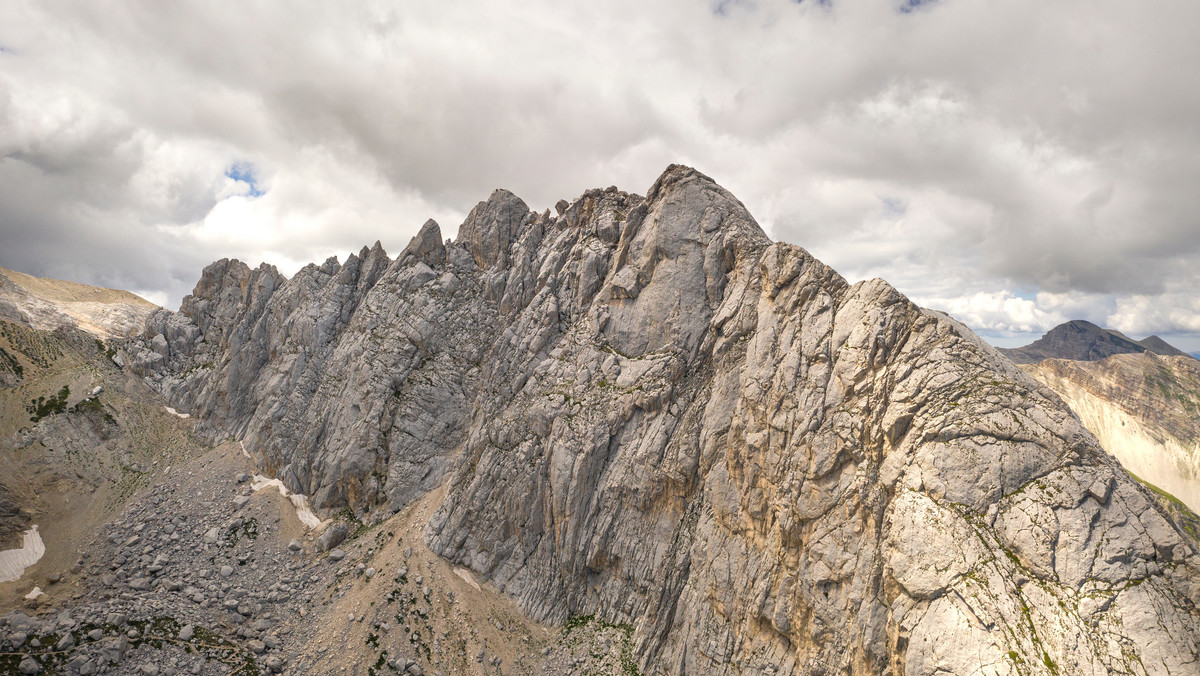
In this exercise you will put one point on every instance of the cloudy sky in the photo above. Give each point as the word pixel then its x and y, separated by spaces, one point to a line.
pixel 1015 163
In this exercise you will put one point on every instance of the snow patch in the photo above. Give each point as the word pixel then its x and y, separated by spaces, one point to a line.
pixel 303 511
pixel 37 591
pixel 13 562
pixel 177 413
pixel 466 575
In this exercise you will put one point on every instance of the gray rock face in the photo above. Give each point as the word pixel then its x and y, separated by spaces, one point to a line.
pixel 492 227
pixel 332 537
pixel 648 412
pixel 12 521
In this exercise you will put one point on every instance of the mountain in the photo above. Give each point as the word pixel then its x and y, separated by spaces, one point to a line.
pixel 1084 341
pixel 640 413
pixel 1145 410
pixel 47 304
pixel 1159 346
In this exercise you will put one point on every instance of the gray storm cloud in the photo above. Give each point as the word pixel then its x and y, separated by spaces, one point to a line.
pixel 1016 164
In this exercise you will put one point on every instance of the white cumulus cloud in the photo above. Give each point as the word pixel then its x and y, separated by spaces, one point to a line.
pixel 1016 164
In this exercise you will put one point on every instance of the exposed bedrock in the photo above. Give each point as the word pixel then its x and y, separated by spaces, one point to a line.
pixel 647 411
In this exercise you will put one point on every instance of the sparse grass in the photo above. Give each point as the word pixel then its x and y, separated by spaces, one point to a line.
pixel 10 364
pixel 126 485
pixel 628 663
pixel 196 367
pixel 380 663
pixel 42 407
pixel 41 348
pixel 248 528
pixel 608 347
pixel 353 523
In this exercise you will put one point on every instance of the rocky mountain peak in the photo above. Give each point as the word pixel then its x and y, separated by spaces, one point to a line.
pixel 426 246
pixel 492 227
pixel 1159 346
pixel 642 410
pixel 673 261
pixel 228 290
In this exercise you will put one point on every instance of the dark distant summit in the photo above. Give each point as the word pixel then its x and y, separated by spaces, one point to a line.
pixel 1084 341
pixel 1159 346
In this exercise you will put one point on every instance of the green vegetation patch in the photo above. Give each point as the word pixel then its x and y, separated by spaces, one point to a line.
pixel 89 405
pixel 42 407
pixel 9 364
pixel 380 663
pixel 353 523
pixel 1179 512
pixel 92 406
pixel 248 529
pixel 41 348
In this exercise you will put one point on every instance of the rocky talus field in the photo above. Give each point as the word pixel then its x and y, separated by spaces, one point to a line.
pixel 632 436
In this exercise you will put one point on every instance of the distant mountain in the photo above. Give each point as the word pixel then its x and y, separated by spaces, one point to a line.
pixel 46 304
pixel 1159 346
pixel 1081 340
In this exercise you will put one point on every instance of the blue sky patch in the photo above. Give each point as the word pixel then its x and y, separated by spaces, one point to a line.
pixel 909 6
pixel 724 7
pixel 894 207
pixel 243 172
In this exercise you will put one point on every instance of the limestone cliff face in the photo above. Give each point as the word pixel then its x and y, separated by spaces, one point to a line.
pixel 647 411
pixel 1144 409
